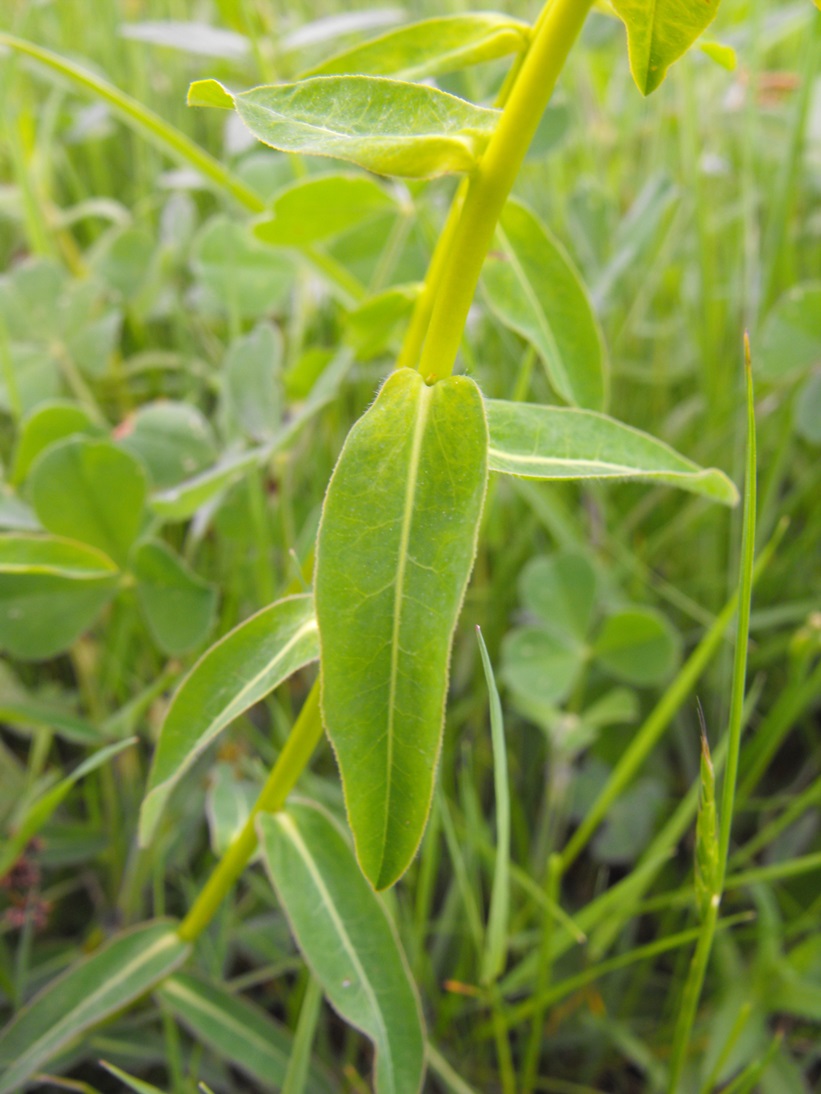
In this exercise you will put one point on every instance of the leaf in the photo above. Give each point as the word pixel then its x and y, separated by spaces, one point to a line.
pixel 373 324
pixel 659 32
pixel 177 604
pixel 790 343
pixel 198 38
pixel 540 667
pixel 346 938
pixel 234 1029
pixel 228 804
pixel 49 423
pixel 548 442
pixel 535 289
pixel 242 668
pixel 807 410
pixel 707 871
pixel 314 210
pixel 39 812
pixel 139 1086
pixel 239 274
pixel 173 440
pixel 183 500
pixel 51 590
pixel 91 491
pixel 385 126
pixel 638 646
pixel 395 549
pixel 561 590
pixel 91 990
pixel 252 383
pixel 431 47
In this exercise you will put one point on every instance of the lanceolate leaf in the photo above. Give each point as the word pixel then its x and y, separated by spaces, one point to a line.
pixel 549 442
pixel 659 31
pixel 395 549
pixel 431 47
pixel 96 987
pixel 235 1029
pixel 242 668
pixel 386 126
pixel 533 288
pixel 51 589
pixel 346 938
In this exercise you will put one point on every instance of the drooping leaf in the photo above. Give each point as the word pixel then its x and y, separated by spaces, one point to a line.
pixel 346 938
pixel 431 47
pixel 174 441
pixel 790 342
pixel 638 646
pixel 386 126
pixel 533 288
pixel 314 210
pixel 177 604
pixel 91 491
pixel 49 423
pixel 548 442
pixel 242 668
pixel 91 990
pixel 51 590
pixel 235 1029
pixel 39 812
pixel 659 32
pixel 395 549
pixel 252 382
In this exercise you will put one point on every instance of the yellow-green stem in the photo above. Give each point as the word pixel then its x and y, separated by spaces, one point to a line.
pixel 488 187
pixel 303 739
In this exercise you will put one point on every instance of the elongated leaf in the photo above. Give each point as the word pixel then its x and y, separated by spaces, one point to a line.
pixel 346 938
pixel 42 809
pixel 178 605
pixel 534 288
pixel 707 878
pixel 548 442
pixel 51 589
pixel 242 668
pixel 316 209
pixel 659 31
pixel 385 126
pixel 395 549
pixel 235 1029
pixel 431 47
pixel 96 987
pixel 91 491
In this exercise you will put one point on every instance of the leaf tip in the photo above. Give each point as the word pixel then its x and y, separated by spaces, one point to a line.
pixel 210 93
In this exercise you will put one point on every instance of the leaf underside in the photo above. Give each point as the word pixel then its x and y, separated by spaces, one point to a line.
pixel 659 32
pixel 396 546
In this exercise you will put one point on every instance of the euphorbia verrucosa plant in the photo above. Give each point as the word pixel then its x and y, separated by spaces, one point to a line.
pixel 402 512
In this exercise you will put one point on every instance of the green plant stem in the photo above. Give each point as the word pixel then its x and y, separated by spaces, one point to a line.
pixel 303 739
pixel 488 187
pixel 692 992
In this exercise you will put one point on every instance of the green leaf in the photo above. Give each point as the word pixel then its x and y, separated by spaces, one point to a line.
pixel 561 590
pixel 139 1086
pixel 548 442
pixel 394 553
pixel 790 343
pixel 51 590
pixel 183 500
pixel 173 440
pixel 93 989
pixel 91 491
pixel 49 423
pixel 177 604
pixel 807 410
pixel 317 209
pixel 385 126
pixel 540 667
pixel 431 47
pixel 234 1029
pixel 252 381
pixel 707 872
pixel 240 275
pixel 722 54
pixel 373 324
pixel 228 804
pixel 659 32
pixel 638 646
pixel 242 668
pixel 346 938
pixel 533 287
pixel 39 812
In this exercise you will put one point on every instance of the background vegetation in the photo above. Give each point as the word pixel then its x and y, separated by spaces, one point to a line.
pixel 135 296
